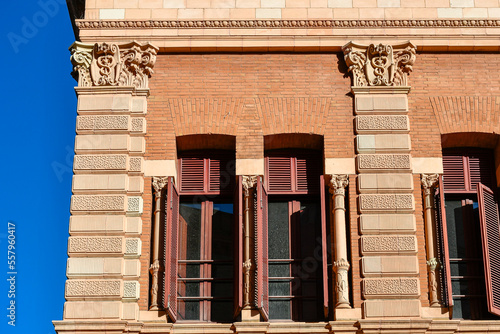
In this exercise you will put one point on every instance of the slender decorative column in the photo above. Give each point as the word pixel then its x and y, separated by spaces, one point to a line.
pixel 158 183
pixel 340 265
pixel 249 183
pixel 429 182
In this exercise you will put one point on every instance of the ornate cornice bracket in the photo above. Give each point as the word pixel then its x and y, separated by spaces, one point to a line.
pixel 103 64
pixel 380 64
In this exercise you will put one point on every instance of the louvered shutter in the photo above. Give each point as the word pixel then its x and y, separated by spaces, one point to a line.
pixel 262 293
pixel 480 169
pixel 192 174
pixel 171 228
pixel 442 243
pixel 324 245
pixel 238 263
pixel 490 235
pixel 454 173
pixel 308 167
pixel 279 174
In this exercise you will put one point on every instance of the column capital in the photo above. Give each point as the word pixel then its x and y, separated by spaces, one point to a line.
pixel 103 64
pixel 337 184
pixel 249 182
pixel 159 183
pixel 429 181
pixel 380 64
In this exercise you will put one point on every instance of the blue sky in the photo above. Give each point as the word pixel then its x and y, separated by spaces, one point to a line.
pixel 39 113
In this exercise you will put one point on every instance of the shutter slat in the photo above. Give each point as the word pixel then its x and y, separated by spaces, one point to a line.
pixel 490 236
pixel 215 174
pixel 279 174
pixel 192 174
pixel 481 169
pixel 454 178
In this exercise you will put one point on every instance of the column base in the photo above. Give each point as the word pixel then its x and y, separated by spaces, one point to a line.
pixel 250 315
pixel 347 314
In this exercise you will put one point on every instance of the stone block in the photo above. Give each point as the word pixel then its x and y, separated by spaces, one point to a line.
pixel 391 308
pixel 379 183
pixel 115 162
pixel 138 125
pixel 389 265
pixel 130 311
pixel 133 225
pixel 383 143
pixel 139 105
pixel 382 123
pixel 272 3
pixel 163 167
pixel 132 247
pixel 100 183
pixel 93 288
pixel 136 164
pixel 427 165
pixel 449 13
pixel 136 184
pixel 97 224
pixel 104 103
pixel 340 3
pixel 88 267
pixel 386 244
pixel 386 203
pixel 98 203
pixel 134 205
pixel 111 14
pixel 375 288
pixel 174 3
pixel 92 310
pixel 381 103
pixel 384 163
pixel 102 123
pixel 96 245
pixel 340 166
pixel 387 223
pixel 131 290
pixel 388 3
pixel 249 166
pixel 268 13
pixel 137 145
pixel 461 3
pixel 95 143
pixel 132 268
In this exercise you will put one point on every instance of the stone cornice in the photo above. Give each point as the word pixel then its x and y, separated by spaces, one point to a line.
pixel 112 65
pixel 280 24
pixel 380 64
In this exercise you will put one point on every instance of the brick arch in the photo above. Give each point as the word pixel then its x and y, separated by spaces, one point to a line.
pixel 469 139
pixel 293 141
pixel 293 114
pixel 206 142
pixel 209 115
pixel 461 114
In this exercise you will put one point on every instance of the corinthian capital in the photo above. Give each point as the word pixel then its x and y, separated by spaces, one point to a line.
pixel 104 64
pixel 338 183
pixel 429 181
pixel 379 65
pixel 249 182
pixel 159 183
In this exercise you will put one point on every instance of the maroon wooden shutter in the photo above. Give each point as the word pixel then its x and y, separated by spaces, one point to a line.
pixel 192 174
pixel 490 235
pixel 238 246
pixel 442 233
pixel 262 293
pixel 279 174
pixel 324 245
pixel 481 169
pixel 454 178
pixel 171 228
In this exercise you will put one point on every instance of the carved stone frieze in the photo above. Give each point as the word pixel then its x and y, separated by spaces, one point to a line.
pixel 134 204
pixel 389 202
pixel 133 246
pixel 382 123
pixel 388 244
pixel 135 164
pixel 106 122
pixel 380 64
pixel 103 64
pixel 390 287
pixel 384 161
pixel 95 245
pixel 98 203
pixel 279 24
pixel 100 162
pixel 137 124
pixel 92 288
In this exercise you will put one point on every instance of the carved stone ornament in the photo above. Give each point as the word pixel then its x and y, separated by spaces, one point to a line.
pixel 106 64
pixel 159 183
pixel 338 183
pixel 429 181
pixel 380 65
pixel 249 182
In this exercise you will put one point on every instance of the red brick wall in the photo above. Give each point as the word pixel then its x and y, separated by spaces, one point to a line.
pixel 452 93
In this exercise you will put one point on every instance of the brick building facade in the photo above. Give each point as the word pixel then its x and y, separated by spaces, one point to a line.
pixel 277 167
